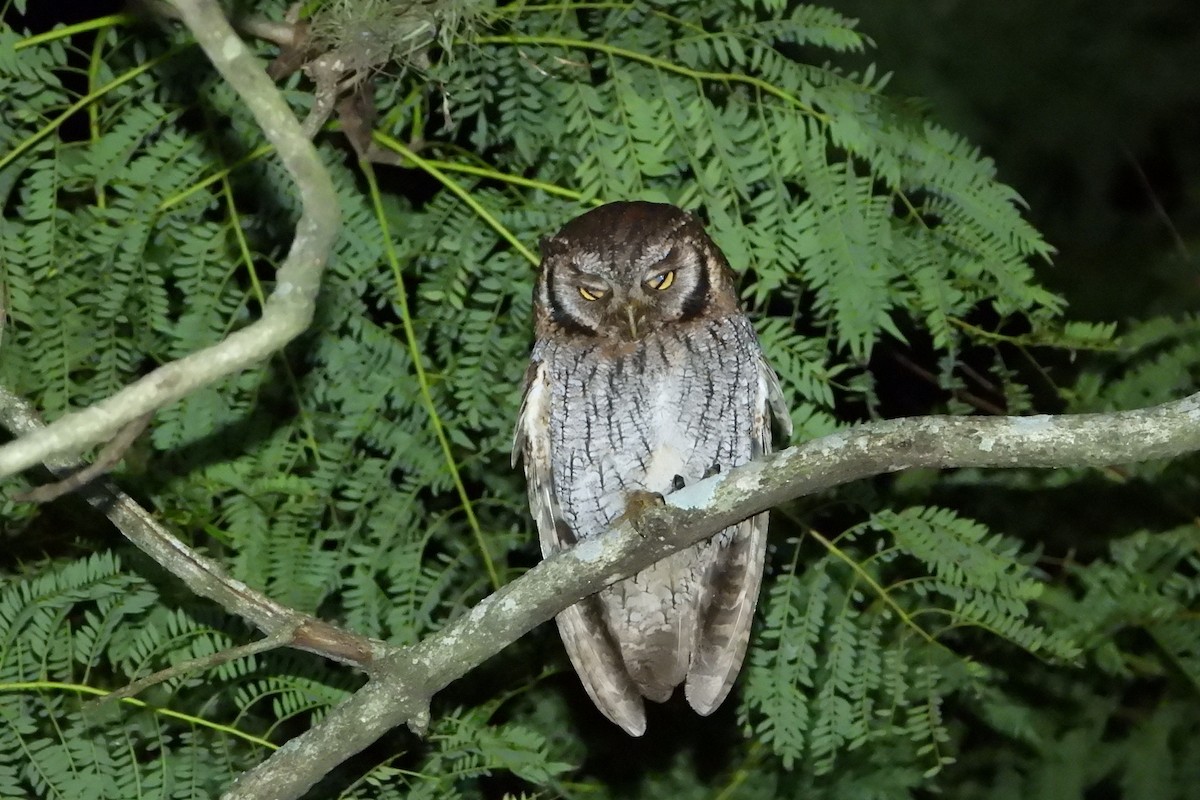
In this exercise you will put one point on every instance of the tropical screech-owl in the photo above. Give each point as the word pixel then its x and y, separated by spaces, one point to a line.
pixel 645 371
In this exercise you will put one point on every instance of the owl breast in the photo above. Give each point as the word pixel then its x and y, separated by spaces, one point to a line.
pixel 635 417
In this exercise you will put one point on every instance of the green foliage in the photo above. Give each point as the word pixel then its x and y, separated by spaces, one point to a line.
pixel 855 649
pixel 363 474
pixel 90 622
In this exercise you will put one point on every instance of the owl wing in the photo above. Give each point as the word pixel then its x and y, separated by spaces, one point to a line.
pixel 589 644
pixel 730 593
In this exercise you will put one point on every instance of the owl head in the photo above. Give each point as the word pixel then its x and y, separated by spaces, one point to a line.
pixel 625 270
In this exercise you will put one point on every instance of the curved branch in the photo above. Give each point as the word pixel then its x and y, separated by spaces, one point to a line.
pixel 288 310
pixel 403 682
pixel 202 575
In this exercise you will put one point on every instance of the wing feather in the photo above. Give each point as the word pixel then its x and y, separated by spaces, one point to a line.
pixel 776 402
pixel 594 654
pixel 732 586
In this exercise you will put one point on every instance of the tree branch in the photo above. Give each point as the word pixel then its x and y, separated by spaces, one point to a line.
pixel 403 682
pixel 288 310
pixel 202 575
pixel 105 462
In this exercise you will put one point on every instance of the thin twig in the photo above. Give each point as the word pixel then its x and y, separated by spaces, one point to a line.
pixel 108 458
pixel 963 395
pixel 203 576
pixel 281 638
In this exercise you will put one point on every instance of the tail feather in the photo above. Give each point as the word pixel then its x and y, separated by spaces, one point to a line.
pixel 598 662
pixel 726 614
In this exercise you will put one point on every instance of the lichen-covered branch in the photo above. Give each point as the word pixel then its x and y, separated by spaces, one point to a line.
pixel 404 681
pixel 202 575
pixel 288 310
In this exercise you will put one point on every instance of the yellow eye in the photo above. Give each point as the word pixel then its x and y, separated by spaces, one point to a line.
pixel 662 281
pixel 591 294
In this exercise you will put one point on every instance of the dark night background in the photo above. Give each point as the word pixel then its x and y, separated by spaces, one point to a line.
pixel 1091 110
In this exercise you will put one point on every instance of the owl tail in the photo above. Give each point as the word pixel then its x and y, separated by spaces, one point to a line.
pixel 727 611
pixel 598 663
pixel 635 639
pixel 686 618
pixel 652 616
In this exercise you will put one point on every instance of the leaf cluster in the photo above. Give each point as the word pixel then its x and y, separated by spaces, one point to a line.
pixel 913 635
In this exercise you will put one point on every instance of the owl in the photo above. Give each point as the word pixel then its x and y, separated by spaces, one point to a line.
pixel 646 375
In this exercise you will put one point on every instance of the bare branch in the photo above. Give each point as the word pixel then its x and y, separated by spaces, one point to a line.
pixel 203 576
pixel 403 682
pixel 282 639
pixel 288 310
pixel 109 457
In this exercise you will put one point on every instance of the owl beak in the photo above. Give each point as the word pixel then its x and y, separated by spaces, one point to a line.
pixel 627 320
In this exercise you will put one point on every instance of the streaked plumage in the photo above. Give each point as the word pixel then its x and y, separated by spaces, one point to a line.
pixel 645 369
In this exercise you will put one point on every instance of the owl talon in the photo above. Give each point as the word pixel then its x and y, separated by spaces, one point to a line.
pixel 637 502
pixel 715 469
pixel 678 483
